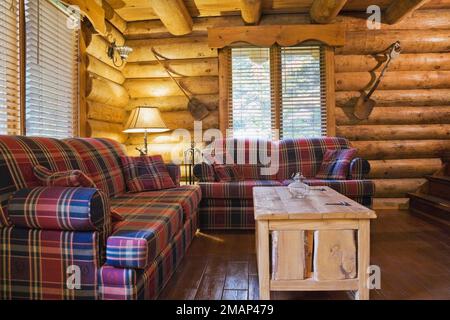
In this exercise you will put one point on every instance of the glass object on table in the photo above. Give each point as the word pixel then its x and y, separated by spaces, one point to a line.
pixel 299 189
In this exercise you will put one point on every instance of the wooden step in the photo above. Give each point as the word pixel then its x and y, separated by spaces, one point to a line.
pixel 439 186
pixel 431 207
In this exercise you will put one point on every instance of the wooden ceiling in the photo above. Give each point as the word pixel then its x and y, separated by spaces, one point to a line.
pixel 139 10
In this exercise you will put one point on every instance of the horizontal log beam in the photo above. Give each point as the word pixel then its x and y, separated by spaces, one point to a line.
pixel 403 168
pixel 394 132
pixel 174 103
pixel 161 138
pixel 421 20
pixel 400 10
pixel 171 48
pixel 419 41
pixel 98 111
pixel 112 16
pixel 396 116
pixel 180 68
pixel 114 34
pixel 174 16
pixel 143 88
pixel 95 66
pixel 184 120
pixel 398 80
pixel 326 11
pixel 418 97
pixel 102 129
pixel 404 149
pixel 92 11
pixel 396 188
pixel 405 62
pixel 106 92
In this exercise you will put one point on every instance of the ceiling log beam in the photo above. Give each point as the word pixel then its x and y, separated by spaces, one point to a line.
pixel 399 10
pixel 174 15
pixel 251 11
pixel 325 11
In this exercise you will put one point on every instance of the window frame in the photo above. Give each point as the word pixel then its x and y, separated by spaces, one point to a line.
pixel 225 87
pixel 80 110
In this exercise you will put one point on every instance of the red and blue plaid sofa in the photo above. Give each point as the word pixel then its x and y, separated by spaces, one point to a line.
pixel 229 205
pixel 60 243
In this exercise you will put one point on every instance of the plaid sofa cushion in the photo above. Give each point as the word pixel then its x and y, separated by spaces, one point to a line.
pixel 234 190
pixel 71 178
pixel 135 284
pixel 225 214
pixel 37 264
pixel 227 173
pixel 18 157
pixel 187 196
pixel 146 231
pixel 359 169
pixel 204 172
pixel 305 155
pixel 102 160
pixel 349 188
pixel 146 174
pixel 174 173
pixel 58 208
pixel 336 164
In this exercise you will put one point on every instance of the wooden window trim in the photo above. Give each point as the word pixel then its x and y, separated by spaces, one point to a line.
pixel 224 90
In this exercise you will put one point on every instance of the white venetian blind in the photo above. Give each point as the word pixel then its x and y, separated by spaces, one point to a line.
pixel 303 98
pixel 51 71
pixel 9 68
pixel 250 110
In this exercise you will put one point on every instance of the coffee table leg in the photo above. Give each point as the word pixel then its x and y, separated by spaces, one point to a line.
pixel 263 259
pixel 363 259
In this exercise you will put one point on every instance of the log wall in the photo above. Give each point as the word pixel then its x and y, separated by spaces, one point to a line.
pixel 403 138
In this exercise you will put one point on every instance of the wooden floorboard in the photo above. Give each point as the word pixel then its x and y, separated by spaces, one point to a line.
pixel 413 254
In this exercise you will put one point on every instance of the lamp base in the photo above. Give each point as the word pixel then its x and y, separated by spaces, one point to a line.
pixel 144 151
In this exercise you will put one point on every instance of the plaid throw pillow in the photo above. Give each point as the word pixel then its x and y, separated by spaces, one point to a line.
pixel 336 164
pixel 146 174
pixel 69 179
pixel 227 173
pixel 204 172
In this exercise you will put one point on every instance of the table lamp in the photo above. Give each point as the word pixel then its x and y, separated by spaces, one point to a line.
pixel 145 120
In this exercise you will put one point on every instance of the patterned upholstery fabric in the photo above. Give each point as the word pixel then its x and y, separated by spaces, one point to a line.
pixel 204 172
pixel 227 173
pixel 174 173
pixel 102 160
pixel 187 196
pixel 146 174
pixel 147 229
pixel 233 190
pixel 305 155
pixel 359 169
pixel 336 164
pixel 217 214
pixel 134 284
pixel 36 264
pixel 58 208
pixel 18 157
pixel 71 178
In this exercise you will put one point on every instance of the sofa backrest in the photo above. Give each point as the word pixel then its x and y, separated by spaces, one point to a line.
pixel 249 155
pixel 101 158
pixel 305 155
pixel 18 157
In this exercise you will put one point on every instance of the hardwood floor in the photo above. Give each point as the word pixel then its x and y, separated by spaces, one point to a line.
pixel 413 254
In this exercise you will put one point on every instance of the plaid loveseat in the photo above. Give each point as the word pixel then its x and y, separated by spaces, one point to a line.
pixel 229 205
pixel 60 243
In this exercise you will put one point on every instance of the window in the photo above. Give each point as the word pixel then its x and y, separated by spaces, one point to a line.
pixel 9 68
pixel 51 71
pixel 278 88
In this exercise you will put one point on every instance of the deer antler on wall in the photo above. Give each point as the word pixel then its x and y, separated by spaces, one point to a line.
pixel 365 105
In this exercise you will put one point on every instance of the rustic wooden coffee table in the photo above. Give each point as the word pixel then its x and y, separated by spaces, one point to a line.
pixel 320 243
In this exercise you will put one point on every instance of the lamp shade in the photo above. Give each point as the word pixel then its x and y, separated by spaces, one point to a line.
pixel 145 119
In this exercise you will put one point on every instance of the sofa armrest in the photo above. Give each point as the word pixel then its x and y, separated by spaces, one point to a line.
pixel 175 173
pixel 60 208
pixel 359 169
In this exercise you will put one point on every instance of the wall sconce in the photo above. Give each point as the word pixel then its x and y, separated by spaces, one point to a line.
pixel 122 51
